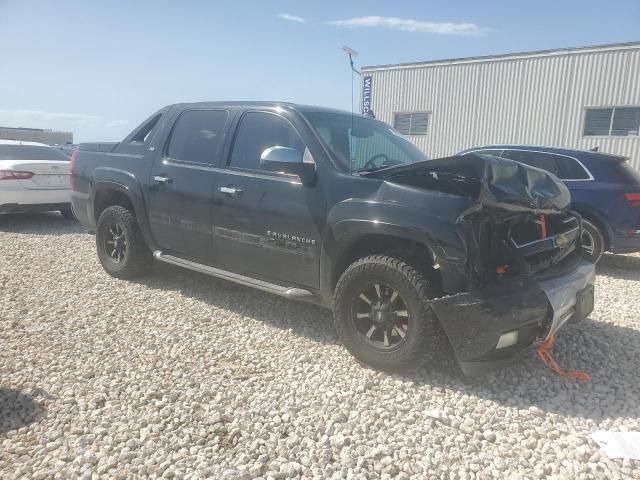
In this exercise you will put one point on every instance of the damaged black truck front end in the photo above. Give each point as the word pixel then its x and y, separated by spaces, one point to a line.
pixel 524 273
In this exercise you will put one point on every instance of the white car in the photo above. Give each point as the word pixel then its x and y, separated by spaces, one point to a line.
pixel 34 177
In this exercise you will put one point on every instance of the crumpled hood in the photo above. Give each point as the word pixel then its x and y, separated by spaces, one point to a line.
pixel 493 182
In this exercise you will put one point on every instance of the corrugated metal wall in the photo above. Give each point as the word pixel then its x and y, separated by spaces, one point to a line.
pixel 530 98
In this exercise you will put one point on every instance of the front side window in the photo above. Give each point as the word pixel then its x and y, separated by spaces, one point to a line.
pixel 197 135
pixel 259 131
pixel 612 121
pixel 362 144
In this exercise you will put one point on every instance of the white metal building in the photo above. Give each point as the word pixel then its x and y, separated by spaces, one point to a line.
pixel 571 97
pixel 41 135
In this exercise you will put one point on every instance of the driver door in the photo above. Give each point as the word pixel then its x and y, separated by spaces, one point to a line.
pixel 266 224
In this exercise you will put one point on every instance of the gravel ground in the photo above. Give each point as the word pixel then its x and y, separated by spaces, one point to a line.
pixel 179 375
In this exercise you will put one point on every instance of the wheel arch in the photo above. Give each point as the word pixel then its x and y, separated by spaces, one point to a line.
pixel 108 192
pixel 356 245
pixel 591 214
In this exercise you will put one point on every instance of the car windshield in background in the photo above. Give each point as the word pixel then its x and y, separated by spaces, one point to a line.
pixel 363 144
pixel 30 152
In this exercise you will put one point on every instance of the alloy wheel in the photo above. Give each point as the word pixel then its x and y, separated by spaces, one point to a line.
pixel 380 316
pixel 588 242
pixel 116 243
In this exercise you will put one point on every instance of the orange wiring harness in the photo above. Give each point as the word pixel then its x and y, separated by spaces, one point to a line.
pixel 543 226
pixel 544 354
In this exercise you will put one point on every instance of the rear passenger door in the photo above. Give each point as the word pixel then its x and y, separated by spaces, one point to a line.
pixel 266 224
pixel 181 192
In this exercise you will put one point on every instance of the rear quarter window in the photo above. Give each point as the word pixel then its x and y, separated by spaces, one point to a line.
pixel 570 169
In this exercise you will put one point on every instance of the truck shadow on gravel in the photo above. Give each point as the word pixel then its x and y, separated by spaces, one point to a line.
pixel 46 223
pixel 17 409
pixel 305 319
pixel 624 267
pixel 608 352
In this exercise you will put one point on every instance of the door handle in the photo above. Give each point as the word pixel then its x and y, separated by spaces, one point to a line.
pixel 230 190
pixel 162 179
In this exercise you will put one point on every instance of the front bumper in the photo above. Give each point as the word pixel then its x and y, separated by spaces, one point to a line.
pixel 486 328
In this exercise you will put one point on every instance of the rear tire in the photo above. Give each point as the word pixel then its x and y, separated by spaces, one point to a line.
pixel 122 251
pixel 592 241
pixel 393 327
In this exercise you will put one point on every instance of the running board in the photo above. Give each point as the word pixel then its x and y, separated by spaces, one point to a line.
pixel 289 292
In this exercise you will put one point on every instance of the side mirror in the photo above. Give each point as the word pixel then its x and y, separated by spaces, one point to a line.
pixel 287 160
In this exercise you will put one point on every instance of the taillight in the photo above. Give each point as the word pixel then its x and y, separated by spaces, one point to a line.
pixel 72 172
pixel 633 199
pixel 15 175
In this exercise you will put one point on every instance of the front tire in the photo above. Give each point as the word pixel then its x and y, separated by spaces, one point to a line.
pixel 382 314
pixel 122 251
pixel 592 241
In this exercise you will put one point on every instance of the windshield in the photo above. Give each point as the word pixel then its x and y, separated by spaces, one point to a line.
pixel 363 144
pixel 30 152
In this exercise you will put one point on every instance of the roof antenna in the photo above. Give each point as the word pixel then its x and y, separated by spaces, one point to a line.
pixel 595 149
pixel 352 54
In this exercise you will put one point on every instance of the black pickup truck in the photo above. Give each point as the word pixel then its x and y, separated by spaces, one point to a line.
pixel 340 210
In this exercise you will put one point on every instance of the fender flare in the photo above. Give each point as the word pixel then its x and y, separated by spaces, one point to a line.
pixel 108 178
pixel 347 224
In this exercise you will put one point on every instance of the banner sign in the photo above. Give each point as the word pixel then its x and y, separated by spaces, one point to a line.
pixel 367 94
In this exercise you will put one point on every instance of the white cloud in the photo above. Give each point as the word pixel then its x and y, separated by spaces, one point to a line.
pixel 410 25
pixel 84 126
pixel 116 123
pixel 42 115
pixel 291 18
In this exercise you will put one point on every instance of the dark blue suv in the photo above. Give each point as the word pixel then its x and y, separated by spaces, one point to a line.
pixel 605 190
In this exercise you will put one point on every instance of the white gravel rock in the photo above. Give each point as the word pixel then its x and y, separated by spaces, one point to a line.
pixel 176 375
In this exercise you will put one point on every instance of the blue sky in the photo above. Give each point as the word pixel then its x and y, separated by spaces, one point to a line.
pixel 99 68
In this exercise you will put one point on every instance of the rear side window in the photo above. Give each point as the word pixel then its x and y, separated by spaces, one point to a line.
pixel 570 169
pixel 197 135
pixel 30 152
pixel 545 161
pixel 259 131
